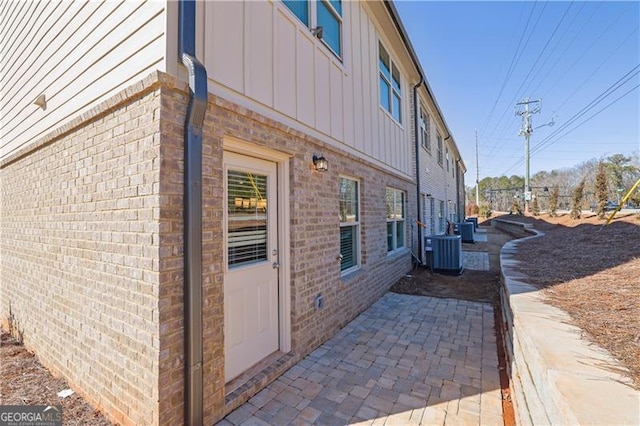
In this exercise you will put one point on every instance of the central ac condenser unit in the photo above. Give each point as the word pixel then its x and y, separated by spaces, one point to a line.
pixel 446 254
pixel 465 229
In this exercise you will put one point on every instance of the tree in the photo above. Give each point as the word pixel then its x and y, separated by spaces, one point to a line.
pixel 578 194
pixel 553 201
pixel 535 207
pixel 485 211
pixel 601 190
pixel 618 166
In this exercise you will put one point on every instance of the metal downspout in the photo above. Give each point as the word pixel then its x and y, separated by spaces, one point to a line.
pixel 192 213
pixel 416 115
pixel 463 213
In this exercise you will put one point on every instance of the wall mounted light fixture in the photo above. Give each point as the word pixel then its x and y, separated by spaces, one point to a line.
pixel 321 163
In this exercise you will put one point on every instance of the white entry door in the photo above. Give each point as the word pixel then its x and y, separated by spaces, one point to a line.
pixel 251 277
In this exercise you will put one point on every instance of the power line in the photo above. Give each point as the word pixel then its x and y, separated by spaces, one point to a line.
pixel 590 46
pixel 597 69
pixel 553 49
pixel 535 25
pixel 511 66
pixel 600 36
pixel 601 97
pixel 548 143
pixel 531 69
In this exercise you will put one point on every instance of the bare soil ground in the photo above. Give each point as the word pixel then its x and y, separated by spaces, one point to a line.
pixel 475 286
pixel 592 273
pixel 24 381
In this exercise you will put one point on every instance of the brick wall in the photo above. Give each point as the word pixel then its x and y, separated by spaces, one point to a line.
pixel 434 179
pixel 80 252
pixel 92 224
pixel 314 236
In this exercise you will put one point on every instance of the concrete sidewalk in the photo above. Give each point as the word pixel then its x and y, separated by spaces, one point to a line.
pixel 407 360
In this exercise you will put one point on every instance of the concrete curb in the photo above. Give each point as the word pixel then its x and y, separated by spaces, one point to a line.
pixel 557 377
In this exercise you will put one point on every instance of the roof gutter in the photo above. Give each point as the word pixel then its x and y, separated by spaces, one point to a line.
pixel 192 289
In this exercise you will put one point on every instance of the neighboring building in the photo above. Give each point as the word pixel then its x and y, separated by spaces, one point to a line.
pixel 102 271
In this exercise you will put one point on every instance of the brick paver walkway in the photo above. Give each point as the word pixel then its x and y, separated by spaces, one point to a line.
pixel 476 260
pixel 405 360
pixel 480 238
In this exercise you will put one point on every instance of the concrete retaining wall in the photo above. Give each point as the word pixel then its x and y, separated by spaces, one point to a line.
pixel 557 377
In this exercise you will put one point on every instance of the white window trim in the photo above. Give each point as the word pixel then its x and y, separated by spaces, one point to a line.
pixel 313 22
pixel 425 129
pixel 447 158
pixel 358 232
pixel 392 89
pixel 396 249
pixel 439 150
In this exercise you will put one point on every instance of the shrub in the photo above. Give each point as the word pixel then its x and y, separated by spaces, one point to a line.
pixel 472 209
pixel 515 208
pixel 535 207
pixel 601 190
pixel 485 211
pixel 576 208
pixel 553 201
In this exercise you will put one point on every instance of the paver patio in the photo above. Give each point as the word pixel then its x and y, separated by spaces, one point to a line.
pixel 476 260
pixel 406 360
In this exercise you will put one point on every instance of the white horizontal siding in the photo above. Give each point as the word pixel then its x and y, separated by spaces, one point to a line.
pixel 262 54
pixel 76 54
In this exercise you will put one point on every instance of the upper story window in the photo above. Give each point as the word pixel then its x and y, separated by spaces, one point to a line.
pixel 349 225
pixel 439 149
pixel 326 14
pixel 447 156
pixel 425 130
pixel 390 91
pixel 395 219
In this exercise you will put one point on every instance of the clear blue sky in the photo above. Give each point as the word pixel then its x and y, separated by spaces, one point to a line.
pixel 569 54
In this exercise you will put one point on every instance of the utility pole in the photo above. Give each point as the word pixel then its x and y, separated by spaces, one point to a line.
pixel 477 174
pixel 526 131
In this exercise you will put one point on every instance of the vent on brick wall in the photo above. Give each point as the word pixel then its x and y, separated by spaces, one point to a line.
pixel 447 254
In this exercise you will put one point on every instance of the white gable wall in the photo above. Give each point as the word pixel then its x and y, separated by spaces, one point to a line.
pixel 76 54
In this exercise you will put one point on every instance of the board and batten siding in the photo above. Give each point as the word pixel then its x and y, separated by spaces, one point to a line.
pixel 76 54
pixel 260 55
